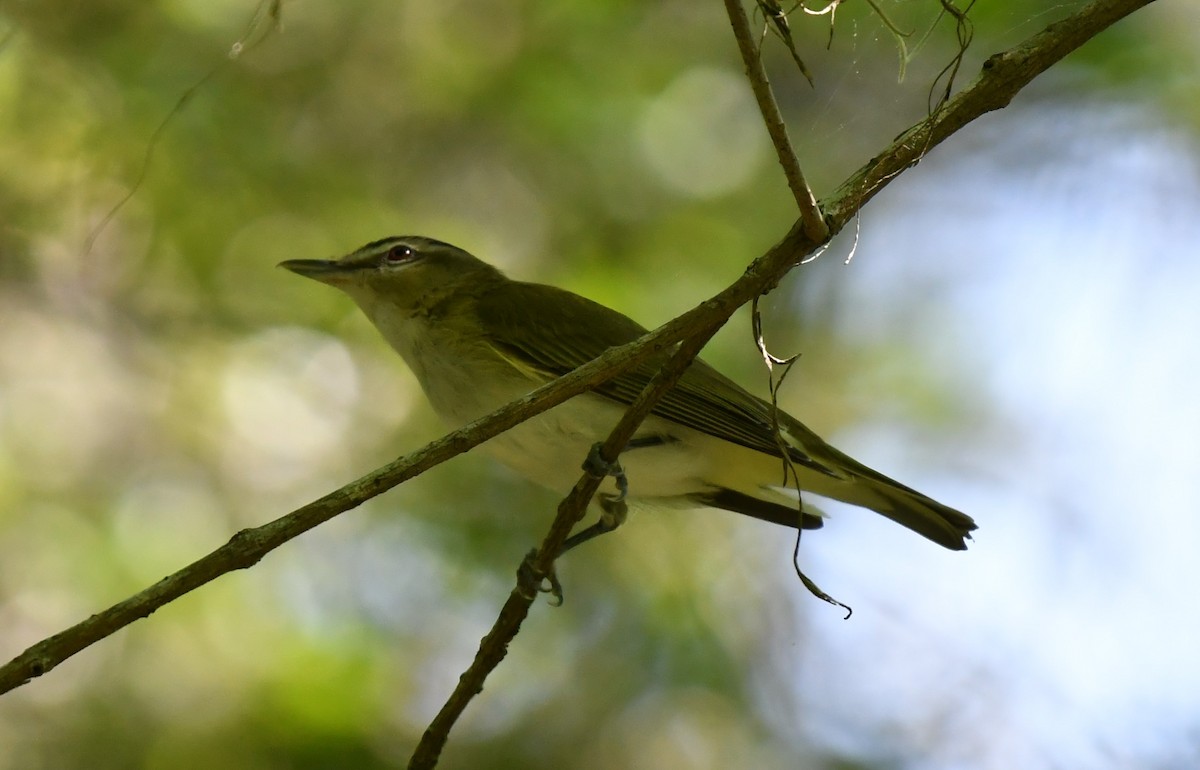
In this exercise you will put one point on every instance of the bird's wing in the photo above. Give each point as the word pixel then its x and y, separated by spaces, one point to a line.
pixel 554 337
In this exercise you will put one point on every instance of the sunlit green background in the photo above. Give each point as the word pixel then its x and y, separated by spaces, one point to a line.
pixel 168 385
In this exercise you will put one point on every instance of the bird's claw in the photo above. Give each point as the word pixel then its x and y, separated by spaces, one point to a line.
pixel 531 582
pixel 597 467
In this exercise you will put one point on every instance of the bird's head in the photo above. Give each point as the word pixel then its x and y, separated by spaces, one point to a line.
pixel 408 273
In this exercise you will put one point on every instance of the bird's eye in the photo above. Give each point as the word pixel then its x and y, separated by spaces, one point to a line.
pixel 398 254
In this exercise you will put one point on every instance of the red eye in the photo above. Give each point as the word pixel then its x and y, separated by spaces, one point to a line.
pixel 398 254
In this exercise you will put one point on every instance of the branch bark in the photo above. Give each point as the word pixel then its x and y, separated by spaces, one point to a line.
pixel 1002 77
pixel 248 546
pixel 810 214
pixel 494 646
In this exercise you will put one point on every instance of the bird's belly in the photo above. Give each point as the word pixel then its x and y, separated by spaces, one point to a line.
pixel 550 449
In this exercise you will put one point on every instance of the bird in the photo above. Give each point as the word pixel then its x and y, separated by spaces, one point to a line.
pixel 476 340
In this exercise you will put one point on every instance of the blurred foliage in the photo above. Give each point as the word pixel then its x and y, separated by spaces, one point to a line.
pixel 168 386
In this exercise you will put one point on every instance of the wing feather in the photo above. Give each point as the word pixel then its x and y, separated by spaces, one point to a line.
pixel 554 331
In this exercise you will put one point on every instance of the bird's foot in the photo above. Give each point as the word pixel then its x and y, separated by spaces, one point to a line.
pixel 531 581
pixel 597 467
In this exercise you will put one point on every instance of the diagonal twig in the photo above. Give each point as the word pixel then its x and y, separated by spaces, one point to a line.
pixel 1002 77
pixel 249 546
pixel 494 645
pixel 810 214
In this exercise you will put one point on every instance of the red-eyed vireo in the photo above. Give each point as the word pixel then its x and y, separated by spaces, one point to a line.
pixel 477 340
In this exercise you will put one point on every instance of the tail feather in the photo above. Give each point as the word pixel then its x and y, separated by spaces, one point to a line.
pixel 852 482
pixel 776 513
pixel 923 515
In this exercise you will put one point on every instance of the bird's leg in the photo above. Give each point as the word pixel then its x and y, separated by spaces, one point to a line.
pixel 529 581
pixel 597 467
pixel 614 511
pixel 613 508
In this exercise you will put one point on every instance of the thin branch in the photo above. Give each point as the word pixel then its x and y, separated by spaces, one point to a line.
pixel 810 214
pixel 256 33
pixel 964 33
pixel 777 20
pixel 1002 77
pixel 248 546
pixel 494 646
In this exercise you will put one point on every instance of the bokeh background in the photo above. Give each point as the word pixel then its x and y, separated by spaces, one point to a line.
pixel 1016 334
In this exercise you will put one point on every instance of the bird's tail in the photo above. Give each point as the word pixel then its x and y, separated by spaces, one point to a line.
pixel 923 515
pixel 903 505
pixel 834 474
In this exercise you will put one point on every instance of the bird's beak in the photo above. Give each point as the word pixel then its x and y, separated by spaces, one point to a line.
pixel 323 270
